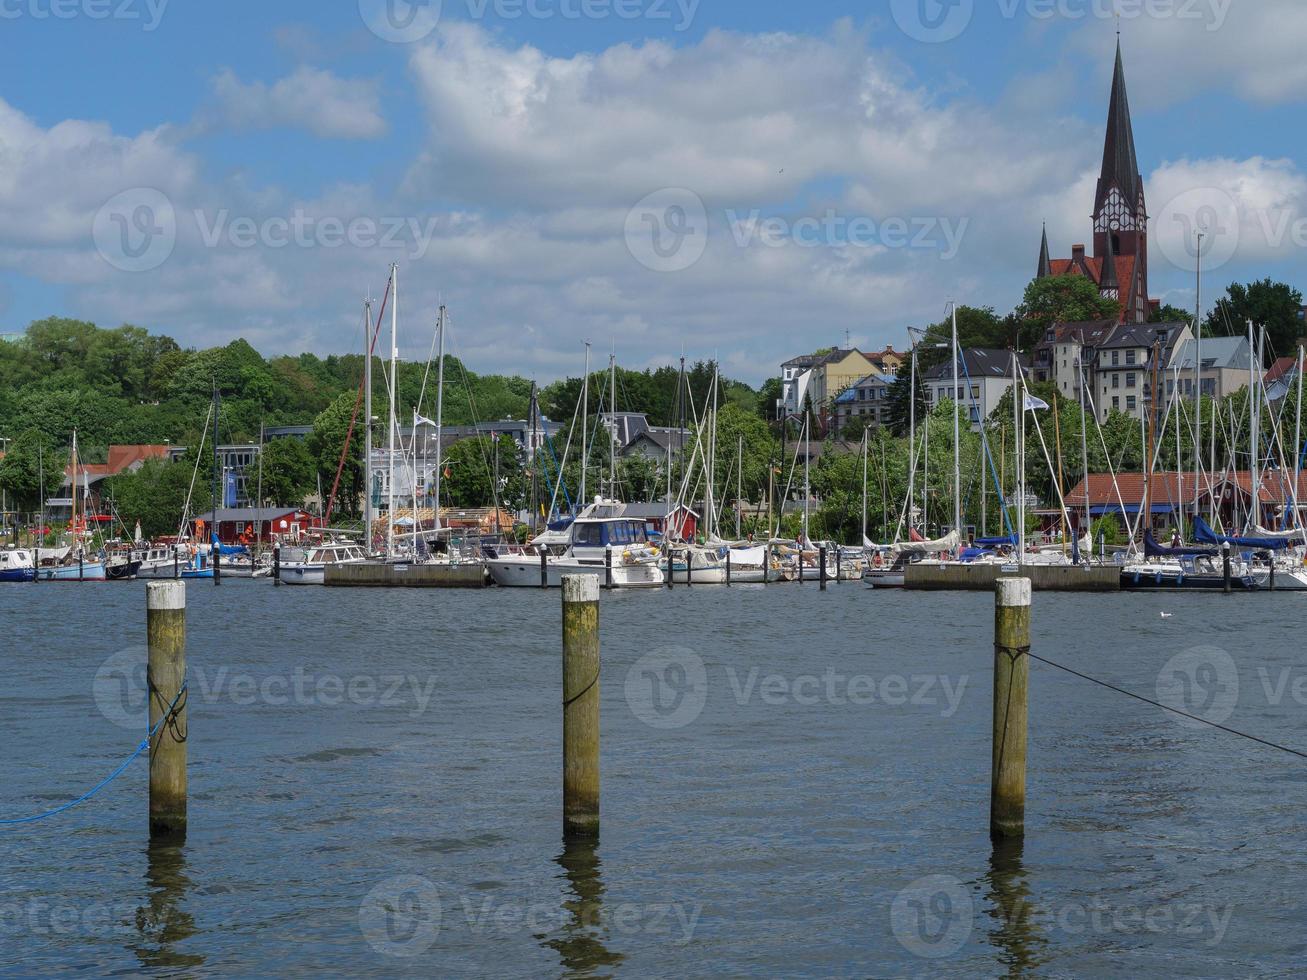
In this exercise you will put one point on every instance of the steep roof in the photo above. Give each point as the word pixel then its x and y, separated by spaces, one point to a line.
pixel 120 459
pixel 1283 367
pixel 1219 353
pixel 1045 264
pixel 1087 333
pixel 977 362
pixel 1144 334
pixel 1120 164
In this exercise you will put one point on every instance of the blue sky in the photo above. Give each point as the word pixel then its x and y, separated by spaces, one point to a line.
pixel 811 172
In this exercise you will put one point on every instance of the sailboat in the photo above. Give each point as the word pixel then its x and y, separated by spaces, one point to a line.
pixel 76 567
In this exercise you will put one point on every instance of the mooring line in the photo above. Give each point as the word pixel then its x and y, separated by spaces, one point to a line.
pixel 168 718
pixel 1167 707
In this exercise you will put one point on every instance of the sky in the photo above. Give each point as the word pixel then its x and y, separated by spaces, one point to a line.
pixel 739 179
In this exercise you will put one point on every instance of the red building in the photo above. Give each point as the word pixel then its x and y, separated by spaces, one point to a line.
pixel 247 525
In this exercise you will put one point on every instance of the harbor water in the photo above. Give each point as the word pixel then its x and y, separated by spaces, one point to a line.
pixel 794 782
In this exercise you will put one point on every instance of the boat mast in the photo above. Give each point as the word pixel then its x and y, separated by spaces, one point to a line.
pixel 912 440
pixel 1018 420
pixel 1084 444
pixel 440 412
pixel 367 425
pixel 219 490
pixel 585 419
pixel 1198 377
pixel 739 485
pixel 76 535
pixel 866 439
pixel 1254 419
pixel 258 522
pixel 807 485
pixel 612 411
pixel 957 431
pixel 1297 438
pixel 390 429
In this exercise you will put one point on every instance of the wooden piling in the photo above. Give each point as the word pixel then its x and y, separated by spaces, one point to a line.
pixel 544 568
pixel 1007 792
pixel 276 564
pixel 821 560
pixel 671 565
pixel 689 568
pixel 728 567
pixel 176 563
pixel 608 567
pixel 580 705
pixel 165 604
pixel 1225 565
pixel 216 554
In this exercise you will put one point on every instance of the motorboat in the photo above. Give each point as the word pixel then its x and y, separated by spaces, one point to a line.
pixel 17 565
pixel 307 565
pixel 601 541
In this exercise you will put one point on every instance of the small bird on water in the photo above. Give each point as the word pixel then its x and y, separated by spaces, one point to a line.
pixel 1167 615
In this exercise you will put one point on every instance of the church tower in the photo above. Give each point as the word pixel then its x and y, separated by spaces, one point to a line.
pixel 1119 263
pixel 1120 211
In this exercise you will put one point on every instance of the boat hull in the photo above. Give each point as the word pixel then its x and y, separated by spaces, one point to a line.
pixel 91 571
pixel 524 573
pixel 1170 581
pixel 17 575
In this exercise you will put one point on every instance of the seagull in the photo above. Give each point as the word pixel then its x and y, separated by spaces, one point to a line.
pixel 1167 615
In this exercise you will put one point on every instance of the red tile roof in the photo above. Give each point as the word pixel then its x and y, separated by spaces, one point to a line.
pixel 1171 487
pixel 120 458
pixel 1280 368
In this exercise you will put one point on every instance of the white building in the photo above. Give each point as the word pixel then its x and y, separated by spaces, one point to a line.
pixel 984 376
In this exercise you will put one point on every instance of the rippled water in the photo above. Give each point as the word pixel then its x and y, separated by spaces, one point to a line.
pixel 817 805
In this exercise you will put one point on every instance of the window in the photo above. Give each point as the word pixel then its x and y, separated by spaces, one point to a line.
pixel 1130 403
pixel 1116 358
pixel 1130 357
pixel 1130 380
pixel 1116 403
pixel 975 391
pixel 1116 381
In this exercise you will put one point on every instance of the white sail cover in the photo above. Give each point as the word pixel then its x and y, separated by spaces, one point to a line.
pixel 1294 535
pixel 749 557
pixel 948 543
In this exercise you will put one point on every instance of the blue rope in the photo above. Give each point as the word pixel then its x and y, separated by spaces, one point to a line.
pixel 145 744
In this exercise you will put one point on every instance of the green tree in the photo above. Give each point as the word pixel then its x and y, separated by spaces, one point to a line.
pixel 30 455
pixel 155 495
pixel 1170 314
pixel 1273 305
pixel 1061 299
pixel 898 401
pixel 288 472
pixel 327 445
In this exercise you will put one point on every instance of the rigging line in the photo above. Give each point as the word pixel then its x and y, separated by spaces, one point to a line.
pixel 1165 707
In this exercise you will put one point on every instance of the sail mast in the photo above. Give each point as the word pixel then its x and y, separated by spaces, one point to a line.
pixel 1254 420
pixel 440 411
pixel 612 411
pixel 957 431
pixel 866 439
pixel 390 431
pixel 585 419
pixel 367 425
pixel 1297 438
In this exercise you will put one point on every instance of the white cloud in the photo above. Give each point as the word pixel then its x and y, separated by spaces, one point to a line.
pixel 1251 49
pixel 310 99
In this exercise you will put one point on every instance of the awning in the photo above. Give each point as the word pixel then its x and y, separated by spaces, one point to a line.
pixel 1101 509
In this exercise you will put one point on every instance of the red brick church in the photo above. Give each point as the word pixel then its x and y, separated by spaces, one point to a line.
pixel 1119 265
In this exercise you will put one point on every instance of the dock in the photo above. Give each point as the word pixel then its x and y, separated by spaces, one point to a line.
pixel 369 575
pixel 1043 578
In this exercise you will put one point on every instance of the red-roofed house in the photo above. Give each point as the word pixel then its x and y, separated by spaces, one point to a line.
pixel 121 459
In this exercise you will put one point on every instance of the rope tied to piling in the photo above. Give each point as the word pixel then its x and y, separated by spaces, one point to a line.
pixel 172 712
pixel 1166 707
pixel 1013 653
pixel 168 718
pixel 568 702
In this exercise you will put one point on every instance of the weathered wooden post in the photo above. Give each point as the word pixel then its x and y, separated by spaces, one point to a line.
pixel 1225 564
pixel 81 567
pixel 544 568
pixel 839 565
pixel 580 705
pixel 608 567
pixel 689 568
pixel 671 566
pixel 176 563
pixel 276 564
pixel 216 552
pixel 728 567
pixel 821 561
pixel 1007 788
pixel 165 604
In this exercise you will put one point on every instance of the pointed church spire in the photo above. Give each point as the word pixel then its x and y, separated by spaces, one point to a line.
pixel 1120 165
pixel 1045 264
